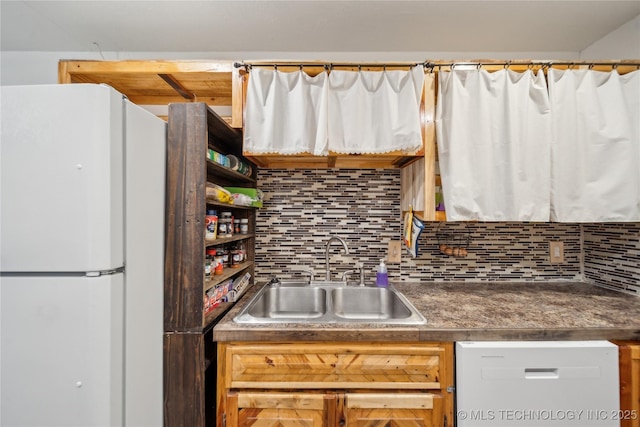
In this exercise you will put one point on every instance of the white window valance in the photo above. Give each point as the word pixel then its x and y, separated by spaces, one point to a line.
pixel 354 112
pixel 493 132
pixel 595 154
pixel 286 113
pixel 374 112
pixel 512 150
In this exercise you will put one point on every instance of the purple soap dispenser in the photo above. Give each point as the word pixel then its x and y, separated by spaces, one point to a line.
pixel 382 277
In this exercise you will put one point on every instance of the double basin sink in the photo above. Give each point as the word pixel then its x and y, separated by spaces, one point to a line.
pixel 328 302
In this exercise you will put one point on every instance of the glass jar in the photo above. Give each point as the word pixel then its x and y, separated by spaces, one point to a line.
pixel 209 262
pixel 211 224
pixel 224 253
pixel 236 257
pixel 219 265
pixel 225 227
pixel 243 251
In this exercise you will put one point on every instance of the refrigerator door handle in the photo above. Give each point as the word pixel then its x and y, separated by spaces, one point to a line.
pixel 104 272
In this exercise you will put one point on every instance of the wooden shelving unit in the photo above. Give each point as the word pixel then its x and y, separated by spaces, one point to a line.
pixel 189 350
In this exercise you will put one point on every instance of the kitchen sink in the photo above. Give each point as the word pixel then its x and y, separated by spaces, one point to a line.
pixel 369 303
pixel 328 302
pixel 289 303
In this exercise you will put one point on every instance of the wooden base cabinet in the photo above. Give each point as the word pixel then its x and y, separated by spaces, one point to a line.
pixel 392 409
pixel 310 409
pixel 279 409
pixel 629 356
pixel 335 384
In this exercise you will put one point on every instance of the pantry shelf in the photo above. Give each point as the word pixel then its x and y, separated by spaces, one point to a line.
pixel 223 240
pixel 215 314
pixel 226 274
pixel 220 171
pixel 212 201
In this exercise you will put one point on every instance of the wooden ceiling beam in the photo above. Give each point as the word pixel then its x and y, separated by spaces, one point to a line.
pixel 177 86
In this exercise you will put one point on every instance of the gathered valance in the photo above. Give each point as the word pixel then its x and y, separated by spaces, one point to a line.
pixel 348 112
pixel 286 113
pixel 373 112
pixel 493 132
pixel 511 149
pixel 595 150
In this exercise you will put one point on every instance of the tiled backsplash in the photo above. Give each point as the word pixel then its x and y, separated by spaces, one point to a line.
pixel 500 251
pixel 304 207
pixel 612 255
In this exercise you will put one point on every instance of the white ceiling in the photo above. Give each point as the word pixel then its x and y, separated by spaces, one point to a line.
pixel 310 26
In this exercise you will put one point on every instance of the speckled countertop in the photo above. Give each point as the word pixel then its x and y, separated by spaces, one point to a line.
pixel 474 311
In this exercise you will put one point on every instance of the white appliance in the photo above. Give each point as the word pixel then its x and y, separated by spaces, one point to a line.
pixel 81 258
pixel 537 383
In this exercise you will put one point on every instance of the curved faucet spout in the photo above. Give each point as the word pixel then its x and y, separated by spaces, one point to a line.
pixel 326 255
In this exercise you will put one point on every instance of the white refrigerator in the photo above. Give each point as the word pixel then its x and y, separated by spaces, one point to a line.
pixel 81 258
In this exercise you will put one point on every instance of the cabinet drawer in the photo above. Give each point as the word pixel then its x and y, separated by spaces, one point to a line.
pixel 329 366
pixel 280 409
pixel 402 409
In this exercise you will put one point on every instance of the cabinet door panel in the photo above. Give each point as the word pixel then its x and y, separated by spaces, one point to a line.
pixel 311 365
pixel 279 418
pixel 280 409
pixel 393 410
pixel 629 384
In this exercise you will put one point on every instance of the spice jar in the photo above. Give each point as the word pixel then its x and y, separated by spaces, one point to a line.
pixel 244 226
pixel 224 253
pixel 236 257
pixel 209 262
pixel 219 265
pixel 225 227
pixel 211 224
pixel 236 226
pixel 243 252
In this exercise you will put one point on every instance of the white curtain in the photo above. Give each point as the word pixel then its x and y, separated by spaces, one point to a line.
pixel 596 145
pixel 493 132
pixel 375 112
pixel 346 112
pixel 286 113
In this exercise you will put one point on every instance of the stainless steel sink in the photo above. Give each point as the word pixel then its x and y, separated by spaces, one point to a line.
pixel 289 303
pixel 369 303
pixel 328 302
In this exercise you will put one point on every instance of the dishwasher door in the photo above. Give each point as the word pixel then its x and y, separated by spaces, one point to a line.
pixel 537 383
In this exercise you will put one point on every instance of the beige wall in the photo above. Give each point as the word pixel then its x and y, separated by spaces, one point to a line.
pixel 622 43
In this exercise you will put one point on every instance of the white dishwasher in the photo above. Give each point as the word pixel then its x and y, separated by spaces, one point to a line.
pixel 537 383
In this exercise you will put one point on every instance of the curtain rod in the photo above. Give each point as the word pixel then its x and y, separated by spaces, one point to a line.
pixel 327 65
pixel 530 64
pixel 431 65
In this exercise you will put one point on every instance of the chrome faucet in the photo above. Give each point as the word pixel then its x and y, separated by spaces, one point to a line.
pixel 361 270
pixel 308 271
pixel 326 255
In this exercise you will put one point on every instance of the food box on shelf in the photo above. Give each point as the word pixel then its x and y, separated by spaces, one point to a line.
pixel 253 194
